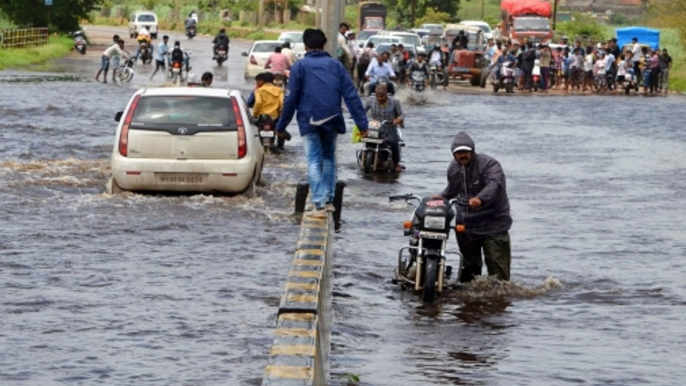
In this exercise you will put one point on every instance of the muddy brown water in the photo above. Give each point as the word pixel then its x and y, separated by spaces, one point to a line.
pixel 183 290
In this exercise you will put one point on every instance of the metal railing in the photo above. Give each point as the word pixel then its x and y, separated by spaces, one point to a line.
pixel 19 38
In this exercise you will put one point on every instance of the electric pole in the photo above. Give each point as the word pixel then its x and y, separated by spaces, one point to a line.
pixel 554 14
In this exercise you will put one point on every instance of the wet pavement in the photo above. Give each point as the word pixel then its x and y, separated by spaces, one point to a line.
pixel 183 290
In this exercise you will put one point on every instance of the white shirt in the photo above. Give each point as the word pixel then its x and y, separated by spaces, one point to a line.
pixel 636 50
pixel 588 63
pixel 114 50
pixel 436 57
pixel 289 54
pixel 144 32
pixel 600 66
pixel 375 71
pixel 621 69
pixel 354 47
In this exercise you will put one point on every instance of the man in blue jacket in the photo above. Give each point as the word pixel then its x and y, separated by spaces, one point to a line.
pixel 317 84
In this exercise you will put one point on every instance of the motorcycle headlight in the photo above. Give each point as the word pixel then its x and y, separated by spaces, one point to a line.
pixel 372 133
pixel 434 222
pixel 417 76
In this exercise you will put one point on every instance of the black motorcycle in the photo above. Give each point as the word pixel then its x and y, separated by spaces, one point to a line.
pixel 422 264
pixel 418 80
pixel 145 55
pixel 265 125
pixel 222 55
pixel 376 153
pixel 190 32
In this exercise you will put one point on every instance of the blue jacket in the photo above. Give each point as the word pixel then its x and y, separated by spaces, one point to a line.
pixel 251 99
pixel 317 84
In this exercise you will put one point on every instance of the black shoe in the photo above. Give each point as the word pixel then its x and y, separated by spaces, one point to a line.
pixel 286 135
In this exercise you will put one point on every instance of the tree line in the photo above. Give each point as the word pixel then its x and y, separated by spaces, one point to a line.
pixel 62 15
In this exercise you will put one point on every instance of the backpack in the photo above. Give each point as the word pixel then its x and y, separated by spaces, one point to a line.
pixel 340 53
pixel 365 58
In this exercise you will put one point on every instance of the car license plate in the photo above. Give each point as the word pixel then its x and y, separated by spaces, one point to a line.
pixel 267 134
pixel 372 140
pixel 433 235
pixel 181 178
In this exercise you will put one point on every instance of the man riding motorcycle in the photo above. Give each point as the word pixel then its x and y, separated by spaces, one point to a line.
pixel 268 101
pixel 177 55
pixel 190 23
pixel 222 39
pixel 379 69
pixel 384 108
pixel 419 65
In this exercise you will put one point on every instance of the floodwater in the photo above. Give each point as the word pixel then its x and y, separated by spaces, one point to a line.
pixel 183 290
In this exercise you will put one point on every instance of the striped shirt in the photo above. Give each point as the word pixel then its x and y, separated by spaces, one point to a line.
pixel 386 112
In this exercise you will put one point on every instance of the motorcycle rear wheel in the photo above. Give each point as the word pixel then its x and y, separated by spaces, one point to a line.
pixel 430 278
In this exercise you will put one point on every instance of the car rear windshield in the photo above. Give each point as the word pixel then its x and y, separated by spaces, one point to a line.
pixel 296 37
pixel 196 113
pixel 146 18
pixel 266 47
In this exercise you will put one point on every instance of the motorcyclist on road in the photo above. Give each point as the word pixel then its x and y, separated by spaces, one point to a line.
pixel 190 22
pixel 268 101
pixel 381 108
pixel 419 65
pixel 379 69
pixel 178 55
pixel 222 39
pixel 288 52
pixel 479 179
pixel 144 35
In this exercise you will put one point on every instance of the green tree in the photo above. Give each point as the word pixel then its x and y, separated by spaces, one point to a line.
pixel 444 6
pixel 433 16
pixel 63 15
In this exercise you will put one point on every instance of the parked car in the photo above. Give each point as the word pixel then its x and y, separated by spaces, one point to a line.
pixel 186 140
pixel 488 33
pixel 376 39
pixel 407 38
pixel 366 34
pixel 141 20
pixel 431 26
pixel 258 55
pixel 296 39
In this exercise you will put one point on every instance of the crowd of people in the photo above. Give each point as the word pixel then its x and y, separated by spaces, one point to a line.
pixel 603 67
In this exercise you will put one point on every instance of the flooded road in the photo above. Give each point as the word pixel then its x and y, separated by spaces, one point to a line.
pixel 183 290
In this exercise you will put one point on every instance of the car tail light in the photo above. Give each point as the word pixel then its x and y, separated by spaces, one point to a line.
pixel 242 143
pixel 253 61
pixel 124 135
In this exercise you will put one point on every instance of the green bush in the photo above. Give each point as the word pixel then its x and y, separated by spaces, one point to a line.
pixel 584 25
pixel 21 57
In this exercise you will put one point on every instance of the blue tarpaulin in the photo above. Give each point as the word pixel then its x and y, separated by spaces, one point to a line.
pixel 647 36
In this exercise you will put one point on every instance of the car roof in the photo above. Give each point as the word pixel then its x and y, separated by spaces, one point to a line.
pixel 474 22
pixel 188 91
pixel 145 13
pixel 291 32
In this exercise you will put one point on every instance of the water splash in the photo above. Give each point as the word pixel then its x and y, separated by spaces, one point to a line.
pixel 489 287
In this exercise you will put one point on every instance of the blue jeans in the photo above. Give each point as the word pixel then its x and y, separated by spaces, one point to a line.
pixel 320 150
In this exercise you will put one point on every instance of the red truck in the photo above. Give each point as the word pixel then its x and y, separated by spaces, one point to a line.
pixel 526 20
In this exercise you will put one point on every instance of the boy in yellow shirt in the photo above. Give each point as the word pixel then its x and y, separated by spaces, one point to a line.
pixel 269 101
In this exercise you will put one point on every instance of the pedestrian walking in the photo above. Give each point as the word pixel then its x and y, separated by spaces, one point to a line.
pixel 317 85
pixel 160 55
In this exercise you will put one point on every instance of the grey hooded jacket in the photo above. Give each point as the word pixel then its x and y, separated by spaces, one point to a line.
pixel 483 177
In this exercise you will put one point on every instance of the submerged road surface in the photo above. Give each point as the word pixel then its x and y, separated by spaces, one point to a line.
pixel 183 290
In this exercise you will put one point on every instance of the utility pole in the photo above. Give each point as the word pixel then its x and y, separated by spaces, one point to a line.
pixel 554 14
pixel 317 14
pixel 260 16
pixel 331 18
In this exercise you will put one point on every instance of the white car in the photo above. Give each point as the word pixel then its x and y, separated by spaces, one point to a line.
pixel 186 140
pixel 296 40
pixel 258 55
pixel 488 33
pixel 141 20
pixel 377 39
pixel 410 38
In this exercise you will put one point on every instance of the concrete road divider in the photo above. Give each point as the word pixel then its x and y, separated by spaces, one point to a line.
pixel 302 339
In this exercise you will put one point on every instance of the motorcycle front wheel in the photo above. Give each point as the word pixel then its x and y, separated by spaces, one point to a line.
pixel 368 161
pixel 430 278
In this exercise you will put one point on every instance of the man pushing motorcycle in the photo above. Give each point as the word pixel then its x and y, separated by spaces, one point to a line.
pixel 480 179
pixel 382 108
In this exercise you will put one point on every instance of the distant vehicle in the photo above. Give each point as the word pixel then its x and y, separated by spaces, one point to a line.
pixel 140 20
pixel 258 55
pixel 469 64
pixel 431 26
pixel 386 47
pixel 407 37
pixel 372 16
pixel 488 33
pixel 296 39
pixel 186 139
pixel 646 36
pixel 378 39
pixel 526 19
pixel 366 34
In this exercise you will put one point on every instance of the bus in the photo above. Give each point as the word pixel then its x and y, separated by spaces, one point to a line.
pixel 372 16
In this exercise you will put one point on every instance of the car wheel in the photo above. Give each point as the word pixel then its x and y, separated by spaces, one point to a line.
pixel 251 190
pixel 111 187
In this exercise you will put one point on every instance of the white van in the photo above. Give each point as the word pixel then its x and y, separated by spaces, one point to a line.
pixel 141 20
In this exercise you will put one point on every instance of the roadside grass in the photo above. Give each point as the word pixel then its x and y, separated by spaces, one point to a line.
pixel 20 57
